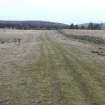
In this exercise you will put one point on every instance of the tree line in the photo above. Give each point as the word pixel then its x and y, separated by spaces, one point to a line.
pixel 90 26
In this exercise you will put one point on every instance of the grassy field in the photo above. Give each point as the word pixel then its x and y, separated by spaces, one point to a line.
pixel 40 67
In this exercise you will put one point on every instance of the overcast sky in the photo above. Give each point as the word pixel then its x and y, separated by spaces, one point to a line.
pixel 64 11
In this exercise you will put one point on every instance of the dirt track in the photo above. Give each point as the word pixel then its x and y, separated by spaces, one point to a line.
pixel 47 68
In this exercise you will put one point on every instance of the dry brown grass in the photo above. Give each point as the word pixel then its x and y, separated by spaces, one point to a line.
pixel 97 33
pixel 48 68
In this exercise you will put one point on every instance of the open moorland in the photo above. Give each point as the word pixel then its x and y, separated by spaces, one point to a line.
pixel 52 67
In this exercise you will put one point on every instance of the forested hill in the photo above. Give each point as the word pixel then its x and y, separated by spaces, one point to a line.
pixel 32 25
